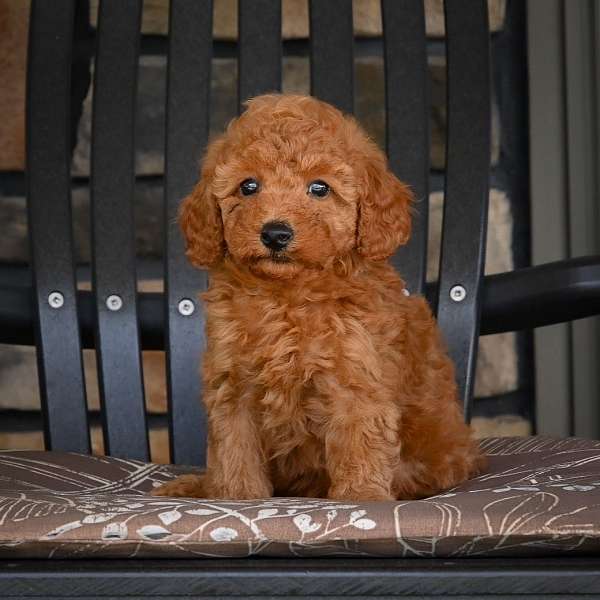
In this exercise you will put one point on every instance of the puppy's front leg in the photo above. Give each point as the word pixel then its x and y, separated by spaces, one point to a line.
pixel 362 448
pixel 236 464
pixel 236 468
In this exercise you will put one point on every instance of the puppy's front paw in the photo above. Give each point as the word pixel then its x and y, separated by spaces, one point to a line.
pixel 185 486
pixel 355 494
pixel 246 490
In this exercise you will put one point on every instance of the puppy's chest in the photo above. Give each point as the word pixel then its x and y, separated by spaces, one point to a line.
pixel 284 346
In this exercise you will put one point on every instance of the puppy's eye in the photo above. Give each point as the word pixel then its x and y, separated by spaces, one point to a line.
pixel 249 187
pixel 318 188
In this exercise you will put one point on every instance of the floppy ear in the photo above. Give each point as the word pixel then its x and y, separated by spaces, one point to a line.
pixel 384 221
pixel 200 222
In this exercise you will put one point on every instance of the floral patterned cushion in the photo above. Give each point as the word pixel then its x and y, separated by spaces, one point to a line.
pixel 540 496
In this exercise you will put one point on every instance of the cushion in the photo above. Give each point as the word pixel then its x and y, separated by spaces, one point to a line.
pixel 539 496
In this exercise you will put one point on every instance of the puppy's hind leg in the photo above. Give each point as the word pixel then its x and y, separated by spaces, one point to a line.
pixel 185 486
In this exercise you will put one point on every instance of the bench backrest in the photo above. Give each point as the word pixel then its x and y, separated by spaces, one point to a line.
pixel 117 334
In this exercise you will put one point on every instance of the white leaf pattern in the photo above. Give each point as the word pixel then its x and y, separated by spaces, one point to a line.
pixel 115 531
pixel 63 529
pixel 223 534
pixel 266 512
pixel 170 516
pixel 201 512
pixel 98 518
pixel 153 532
pixel 305 523
pixel 364 524
pixel 357 514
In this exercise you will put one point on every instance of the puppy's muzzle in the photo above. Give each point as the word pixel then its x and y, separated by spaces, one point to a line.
pixel 276 235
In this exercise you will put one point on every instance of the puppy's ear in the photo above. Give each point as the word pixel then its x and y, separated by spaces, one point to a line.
pixel 200 222
pixel 384 210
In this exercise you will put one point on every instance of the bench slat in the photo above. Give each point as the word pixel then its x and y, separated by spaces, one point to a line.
pixel 188 92
pixel 407 124
pixel 259 48
pixel 60 366
pixel 467 186
pixel 332 52
pixel 113 247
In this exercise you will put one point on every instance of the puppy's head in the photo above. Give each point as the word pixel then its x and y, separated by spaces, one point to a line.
pixel 293 184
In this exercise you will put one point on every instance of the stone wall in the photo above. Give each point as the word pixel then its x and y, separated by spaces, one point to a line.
pixel 498 366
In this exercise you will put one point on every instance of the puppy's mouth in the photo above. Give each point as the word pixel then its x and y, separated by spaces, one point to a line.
pixel 278 265
pixel 279 257
pixel 273 257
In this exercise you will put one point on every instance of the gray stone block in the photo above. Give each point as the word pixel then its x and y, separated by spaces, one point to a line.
pixel 150 121
pixel 223 93
pixel 148 214
pixel 18 378
pixel 14 245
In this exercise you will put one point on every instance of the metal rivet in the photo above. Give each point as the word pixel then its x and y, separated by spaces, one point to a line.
pixel 186 307
pixel 114 302
pixel 56 299
pixel 458 293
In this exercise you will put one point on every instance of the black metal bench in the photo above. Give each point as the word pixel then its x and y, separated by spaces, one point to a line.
pixel 119 322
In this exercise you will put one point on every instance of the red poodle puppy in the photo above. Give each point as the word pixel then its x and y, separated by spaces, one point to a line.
pixel 322 378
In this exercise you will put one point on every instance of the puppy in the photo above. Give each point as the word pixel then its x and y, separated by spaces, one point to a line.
pixel 322 377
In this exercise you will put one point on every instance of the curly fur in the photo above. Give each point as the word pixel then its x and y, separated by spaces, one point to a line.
pixel 321 377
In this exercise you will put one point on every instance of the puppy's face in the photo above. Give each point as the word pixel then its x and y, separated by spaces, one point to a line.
pixel 288 201
pixel 294 185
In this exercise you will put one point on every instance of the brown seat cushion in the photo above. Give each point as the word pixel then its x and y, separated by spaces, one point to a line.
pixel 540 496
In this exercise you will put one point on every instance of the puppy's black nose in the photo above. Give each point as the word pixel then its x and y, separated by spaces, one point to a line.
pixel 275 235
